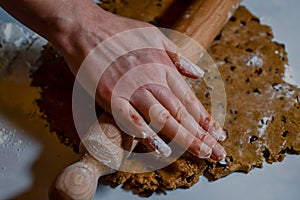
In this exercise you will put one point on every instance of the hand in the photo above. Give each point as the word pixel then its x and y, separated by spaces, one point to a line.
pixel 143 86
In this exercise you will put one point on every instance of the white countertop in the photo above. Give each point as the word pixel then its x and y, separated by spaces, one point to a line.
pixel 32 156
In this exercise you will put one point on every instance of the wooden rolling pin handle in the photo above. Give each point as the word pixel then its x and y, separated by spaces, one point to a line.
pixel 78 181
pixel 207 19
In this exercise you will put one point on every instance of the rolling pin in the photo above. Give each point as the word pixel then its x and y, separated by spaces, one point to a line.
pixel 79 181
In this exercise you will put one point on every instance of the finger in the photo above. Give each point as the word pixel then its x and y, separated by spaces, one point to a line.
pixel 194 106
pixel 177 109
pixel 215 153
pixel 183 65
pixel 161 119
pixel 179 112
pixel 131 122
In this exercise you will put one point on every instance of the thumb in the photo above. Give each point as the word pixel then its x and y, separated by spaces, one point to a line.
pixel 183 65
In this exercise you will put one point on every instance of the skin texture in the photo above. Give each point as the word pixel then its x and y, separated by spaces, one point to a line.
pixel 75 27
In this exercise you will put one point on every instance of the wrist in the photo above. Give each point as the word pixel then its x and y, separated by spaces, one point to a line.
pixel 80 30
pixel 87 27
pixel 78 38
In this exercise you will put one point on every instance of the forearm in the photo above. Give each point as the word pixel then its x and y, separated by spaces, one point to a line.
pixel 55 20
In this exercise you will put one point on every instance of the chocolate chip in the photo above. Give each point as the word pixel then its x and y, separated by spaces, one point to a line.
pixel 232 111
pixel 283 119
pixel 285 133
pixel 253 138
pixel 258 71
pixel 233 19
pixel 256 91
pixel 227 59
pixel 266 153
pixel 207 95
pixel 276 86
pixel 255 19
pixel 189 179
pixel 249 50
pixel 147 192
pixel 218 37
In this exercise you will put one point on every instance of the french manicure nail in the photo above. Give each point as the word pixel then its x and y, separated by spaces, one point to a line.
pixel 220 152
pixel 218 133
pixel 191 67
pixel 160 146
pixel 223 162
pixel 222 136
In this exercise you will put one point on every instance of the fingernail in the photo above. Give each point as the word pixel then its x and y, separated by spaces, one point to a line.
pixel 223 162
pixel 191 67
pixel 223 136
pixel 159 146
pixel 219 152
pixel 217 132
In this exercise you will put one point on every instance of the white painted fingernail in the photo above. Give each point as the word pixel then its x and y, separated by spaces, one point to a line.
pixel 159 145
pixel 223 152
pixel 223 136
pixel 219 134
pixel 188 65
pixel 219 152
pixel 223 162
pixel 216 131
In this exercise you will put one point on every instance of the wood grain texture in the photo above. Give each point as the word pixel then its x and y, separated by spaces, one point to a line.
pixel 203 20
pixel 106 143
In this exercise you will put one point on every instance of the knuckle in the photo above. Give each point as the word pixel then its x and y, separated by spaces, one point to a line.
pixel 201 150
pixel 140 92
pixel 181 113
pixel 163 116
pixel 202 136
pixel 160 91
pixel 158 116
pixel 205 153
pixel 190 99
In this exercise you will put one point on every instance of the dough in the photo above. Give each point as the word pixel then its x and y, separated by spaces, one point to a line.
pixel 263 111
